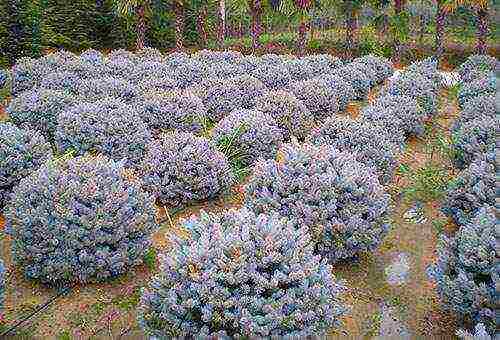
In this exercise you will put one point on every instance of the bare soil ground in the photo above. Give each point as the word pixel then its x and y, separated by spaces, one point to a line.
pixel 107 310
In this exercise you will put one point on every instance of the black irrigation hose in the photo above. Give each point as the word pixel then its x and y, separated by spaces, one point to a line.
pixel 39 309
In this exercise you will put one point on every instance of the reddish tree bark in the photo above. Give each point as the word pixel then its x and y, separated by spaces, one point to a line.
pixel 256 14
pixel 179 23
pixel 482 30
pixel 440 18
pixel 141 27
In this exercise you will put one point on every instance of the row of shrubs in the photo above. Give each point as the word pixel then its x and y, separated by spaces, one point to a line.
pixel 467 271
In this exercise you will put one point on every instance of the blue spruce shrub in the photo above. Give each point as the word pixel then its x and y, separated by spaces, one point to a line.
pixel 63 81
pixel 271 59
pixel 484 85
pixel 477 107
pixel 223 69
pixel 175 59
pixel 318 96
pixel 417 86
pixel 247 135
pixel 474 139
pixel 247 63
pixel 107 87
pixel 209 56
pixel 477 63
pixel 322 63
pixel 188 73
pixel 27 73
pixel 122 54
pixel 173 110
pixel 382 67
pixel 147 70
pixel 107 127
pixel 474 188
pixel 371 144
pixel 149 54
pixel 338 198
pixel 118 68
pixel 343 89
pixel 241 275
pixel 158 85
pixel 480 333
pixel 428 68
pixel 93 57
pixel 368 73
pixel 274 76
pixel 222 96
pixel 38 109
pixel 79 220
pixel 398 113
pixel 289 113
pixel 299 69
pixel 467 271
pixel 359 80
pixel 180 168
pixel 21 152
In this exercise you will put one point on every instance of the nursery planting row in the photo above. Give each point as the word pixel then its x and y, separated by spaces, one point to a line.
pixel 93 142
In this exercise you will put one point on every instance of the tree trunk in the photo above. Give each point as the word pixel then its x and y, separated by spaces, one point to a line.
pixel 201 23
pixel 301 47
pixel 440 17
pixel 141 27
pixel 351 28
pixel 222 24
pixel 482 30
pixel 256 12
pixel 398 9
pixel 179 24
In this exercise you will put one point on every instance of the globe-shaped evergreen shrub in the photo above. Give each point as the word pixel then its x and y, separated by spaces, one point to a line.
pixel 358 79
pixel 474 188
pixel 246 135
pixel 188 73
pixel 149 54
pixel 241 275
pixel 338 198
pixel 428 68
pixel 107 127
pixel 318 96
pixel 107 87
pixel 382 66
pixel 467 271
pixel 180 168
pixel 289 113
pixel 474 139
pixel 417 86
pixel 175 59
pixel 38 109
pixel 118 67
pixel 322 63
pixel 157 85
pixel 400 113
pixel 342 89
pixel 21 152
pixel 92 56
pixel 274 76
pixel 173 110
pixel 371 144
pixel 477 63
pixel 79 220
pixel 147 70
pixel 4 78
pixel 222 96
pixel 299 69
pixel 27 73
pixel 64 81
pixel 484 85
pixel 477 107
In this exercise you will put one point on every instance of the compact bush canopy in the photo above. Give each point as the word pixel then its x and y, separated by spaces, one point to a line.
pixel 2 287
pixel 79 220
pixel 289 113
pixel 467 272
pixel 382 67
pixel 336 197
pixel 21 152
pixel 102 88
pixel 180 168
pixel 108 127
pixel 241 275
pixel 39 109
pixel 474 139
pixel 173 110
pixel 474 188
pixel 273 76
pixel 247 135
pixel 477 107
pixel 399 113
pixel 483 85
pixel 371 144
pixel 477 65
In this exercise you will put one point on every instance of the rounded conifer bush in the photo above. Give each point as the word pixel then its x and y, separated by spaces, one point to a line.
pixel 318 96
pixel 477 63
pixel 108 127
pixel 180 168
pixel 21 152
pixel 289 113
pixel 173 110
pixel 400 113
pixel 63 81
pixel 474 187
pixel 106 87
pixel 467 271
pixel 322 63
pixel 474 139
pixel 382 67
pixel 2 287
pixel 79 220
pixel 246 135
pixel 274 76
pixel 484 85
pixel 241 275
pixel 371 144
pixel 39 109
pixel 338 198
pixel 477 107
